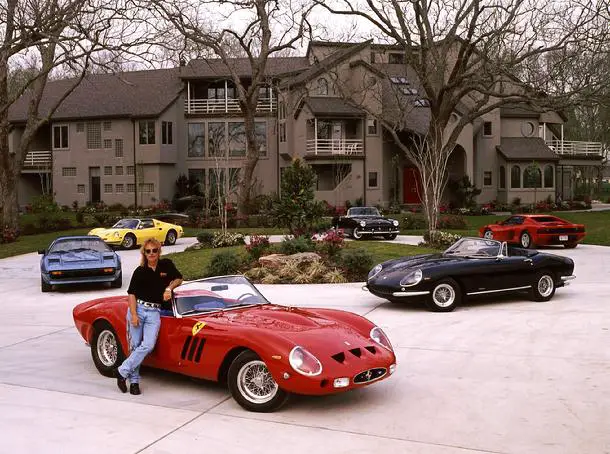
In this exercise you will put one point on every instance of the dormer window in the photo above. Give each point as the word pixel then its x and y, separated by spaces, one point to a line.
pixel 322 87
pixel 396 59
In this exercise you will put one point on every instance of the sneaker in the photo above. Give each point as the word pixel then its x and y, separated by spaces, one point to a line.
pixel 120 381
pixel 134 389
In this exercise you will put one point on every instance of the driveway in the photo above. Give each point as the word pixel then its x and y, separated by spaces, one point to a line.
pixel 500 375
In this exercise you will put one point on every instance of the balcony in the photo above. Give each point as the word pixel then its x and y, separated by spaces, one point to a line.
pixel 576 149
pixel 335 147
pixel 37 161
pixel 225 106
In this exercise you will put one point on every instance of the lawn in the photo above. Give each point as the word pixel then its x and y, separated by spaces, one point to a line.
pixel 193 264
pixel 32 243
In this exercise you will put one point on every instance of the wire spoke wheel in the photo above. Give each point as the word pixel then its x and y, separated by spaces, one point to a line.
pixel 107 350
pixel 444 295
pixel 255 382
pixel 545 286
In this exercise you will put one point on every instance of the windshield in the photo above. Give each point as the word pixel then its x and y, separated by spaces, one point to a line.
pixel 126 224
pixel 79 244
pixel 475 247
pixel 363 211
pixel 216 293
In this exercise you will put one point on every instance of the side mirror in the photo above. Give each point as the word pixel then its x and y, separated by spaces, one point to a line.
pixel 42 251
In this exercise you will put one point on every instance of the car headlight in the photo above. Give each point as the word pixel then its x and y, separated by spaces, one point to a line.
pixel 362 223
pixel 395 222
pixel 412 278
pixel 304 362
pixel 375 271
pixel 379 336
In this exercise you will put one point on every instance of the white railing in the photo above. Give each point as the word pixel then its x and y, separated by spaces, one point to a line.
pixel 575 148
pixel 227 105
pixel 332 147
pixel 38 159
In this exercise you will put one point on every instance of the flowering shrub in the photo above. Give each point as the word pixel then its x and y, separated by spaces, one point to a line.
pixel 257 246
pixel 332 242
pixel 8 235
pixel 226 239
pixel 452 222
pixel 440 238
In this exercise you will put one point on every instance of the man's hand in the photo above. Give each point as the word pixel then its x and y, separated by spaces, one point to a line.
pixel 167 294
pixel 135 321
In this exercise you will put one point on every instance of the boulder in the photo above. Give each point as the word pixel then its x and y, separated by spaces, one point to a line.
pixel 275 261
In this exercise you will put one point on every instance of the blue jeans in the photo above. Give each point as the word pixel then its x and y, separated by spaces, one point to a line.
pixel 142 340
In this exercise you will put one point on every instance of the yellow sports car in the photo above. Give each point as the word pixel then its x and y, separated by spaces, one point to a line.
pixel 129 233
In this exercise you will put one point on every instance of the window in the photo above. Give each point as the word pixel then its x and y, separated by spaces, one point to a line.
pixel 502 177
pixel 107 188
pixel 372 181
pixel 107 170
pixel 196 136
pixel 549 176
pixel 282 132
pixel 107 126
pixel 396 59
pixel 80 127
pixel 80 188
pixel 532 177
pixel 147 133
pixel 118 148
pixel 147 187
pixel 281 109
pixel 421 103
pixel 487 131
pixel 487 178
pixel 107 143
pixel 167 133
pixel 94 136
pixel 373 57
pixel 260 132
pixel 528 128
pixel 131 187
pixel 234 178
pixel 408 90
pixel 60 137
pixel 120 187
pixel 322 87
pixel 131 170
pixel 371 126
pixel 217 141
pixel 515 177
pixel 237 139
pixel 399 80
pixel 118 170
pixel 197 180
pixel 68 171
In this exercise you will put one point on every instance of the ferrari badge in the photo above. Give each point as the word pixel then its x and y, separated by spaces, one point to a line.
pixel 198 327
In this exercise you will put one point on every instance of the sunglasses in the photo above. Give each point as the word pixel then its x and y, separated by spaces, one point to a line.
pixel 151 251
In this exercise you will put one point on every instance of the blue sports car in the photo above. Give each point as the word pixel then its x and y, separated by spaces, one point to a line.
pixel 78 260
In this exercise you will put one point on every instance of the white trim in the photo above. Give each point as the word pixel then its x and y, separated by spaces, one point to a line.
pixel 499 290
pixel 411 293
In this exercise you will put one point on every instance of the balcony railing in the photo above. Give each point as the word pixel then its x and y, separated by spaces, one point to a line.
pixel 335 147
pixel 227 105
pixel 38 159
pixel 575 148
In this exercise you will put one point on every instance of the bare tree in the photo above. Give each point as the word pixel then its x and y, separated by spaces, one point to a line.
pixel 269 28
pixel 473 56
pixel 54 34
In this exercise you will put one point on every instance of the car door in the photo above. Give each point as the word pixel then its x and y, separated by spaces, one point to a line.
pixel 160 230
pixel 511 272
pixel 145 230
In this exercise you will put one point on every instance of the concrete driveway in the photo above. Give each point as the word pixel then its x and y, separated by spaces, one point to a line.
pixel 501 375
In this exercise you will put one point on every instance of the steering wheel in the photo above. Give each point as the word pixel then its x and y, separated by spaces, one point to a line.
pixel 245 295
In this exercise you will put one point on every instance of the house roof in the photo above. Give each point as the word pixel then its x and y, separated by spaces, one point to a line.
pixel 525 149
pixel 324 65
pixel 216 68
pixel 336 107
pixel 129 94
pixel 518 111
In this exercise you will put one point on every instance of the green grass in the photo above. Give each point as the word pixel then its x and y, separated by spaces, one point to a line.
pixel 32 243
pixel 193 264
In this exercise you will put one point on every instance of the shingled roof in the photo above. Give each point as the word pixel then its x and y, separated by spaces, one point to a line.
pixel 215 67
pixel 129 94
pixel 327 106
pixel 525 149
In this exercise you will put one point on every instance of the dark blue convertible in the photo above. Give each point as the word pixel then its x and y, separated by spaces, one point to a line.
pixel 78 260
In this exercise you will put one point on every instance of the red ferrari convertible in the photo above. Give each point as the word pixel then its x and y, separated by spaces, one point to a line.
pixel 529 230
pixel 223 329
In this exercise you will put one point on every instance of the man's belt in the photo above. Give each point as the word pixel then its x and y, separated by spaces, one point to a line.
pixel 147 304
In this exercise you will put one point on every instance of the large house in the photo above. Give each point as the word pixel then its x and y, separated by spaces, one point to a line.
pixel 125 138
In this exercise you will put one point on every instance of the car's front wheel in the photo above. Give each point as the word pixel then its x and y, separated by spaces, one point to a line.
pixel 170 238
pixel 543 287
pixel 106 349
pixel 391 236
pixel 129 241
pixel 356 233
pixel 118 282
pixel 44 286
pixel 252 385
pixel 445 296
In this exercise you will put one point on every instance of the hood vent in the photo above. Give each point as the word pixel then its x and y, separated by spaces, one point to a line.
pixel 371 349
pixel 356 352
pixel 339 357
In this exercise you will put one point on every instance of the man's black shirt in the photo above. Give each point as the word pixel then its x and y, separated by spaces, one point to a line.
pixel 148 284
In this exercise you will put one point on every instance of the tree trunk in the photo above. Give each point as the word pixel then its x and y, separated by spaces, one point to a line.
pixel 8 190
pixel 252 157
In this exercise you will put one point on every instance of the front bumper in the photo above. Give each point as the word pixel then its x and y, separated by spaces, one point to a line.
pixel 404 294
pixel 377 231
pixel 82 279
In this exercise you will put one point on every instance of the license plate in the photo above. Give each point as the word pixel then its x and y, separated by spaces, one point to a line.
pixel 563 237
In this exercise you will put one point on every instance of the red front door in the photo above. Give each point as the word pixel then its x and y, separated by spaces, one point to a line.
pixel 411 185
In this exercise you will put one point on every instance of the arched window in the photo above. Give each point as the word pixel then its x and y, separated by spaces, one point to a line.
pixel 502 177
pixel 549 176
pixel 322 86
pixel 532 177
pixel 515 177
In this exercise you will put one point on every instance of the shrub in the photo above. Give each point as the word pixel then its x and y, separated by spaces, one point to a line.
pixel 9 235
pixel 332 243
pixel 355 262
pixel 257 246
pixel 440 238
pixel 316 270
pixel 334 276
pixel 223 263
pixel 28 228
pixel 257 273
pixel 464 191
pixel 226 239
pixel 414 221
pixel 452 223
pixel 291 246
pixel 205 238
pixel 44 204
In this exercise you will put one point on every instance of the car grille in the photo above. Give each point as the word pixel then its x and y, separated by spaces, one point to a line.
pixel 370 375
pixel 192 348
pixel 70 274
pixel 357 352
